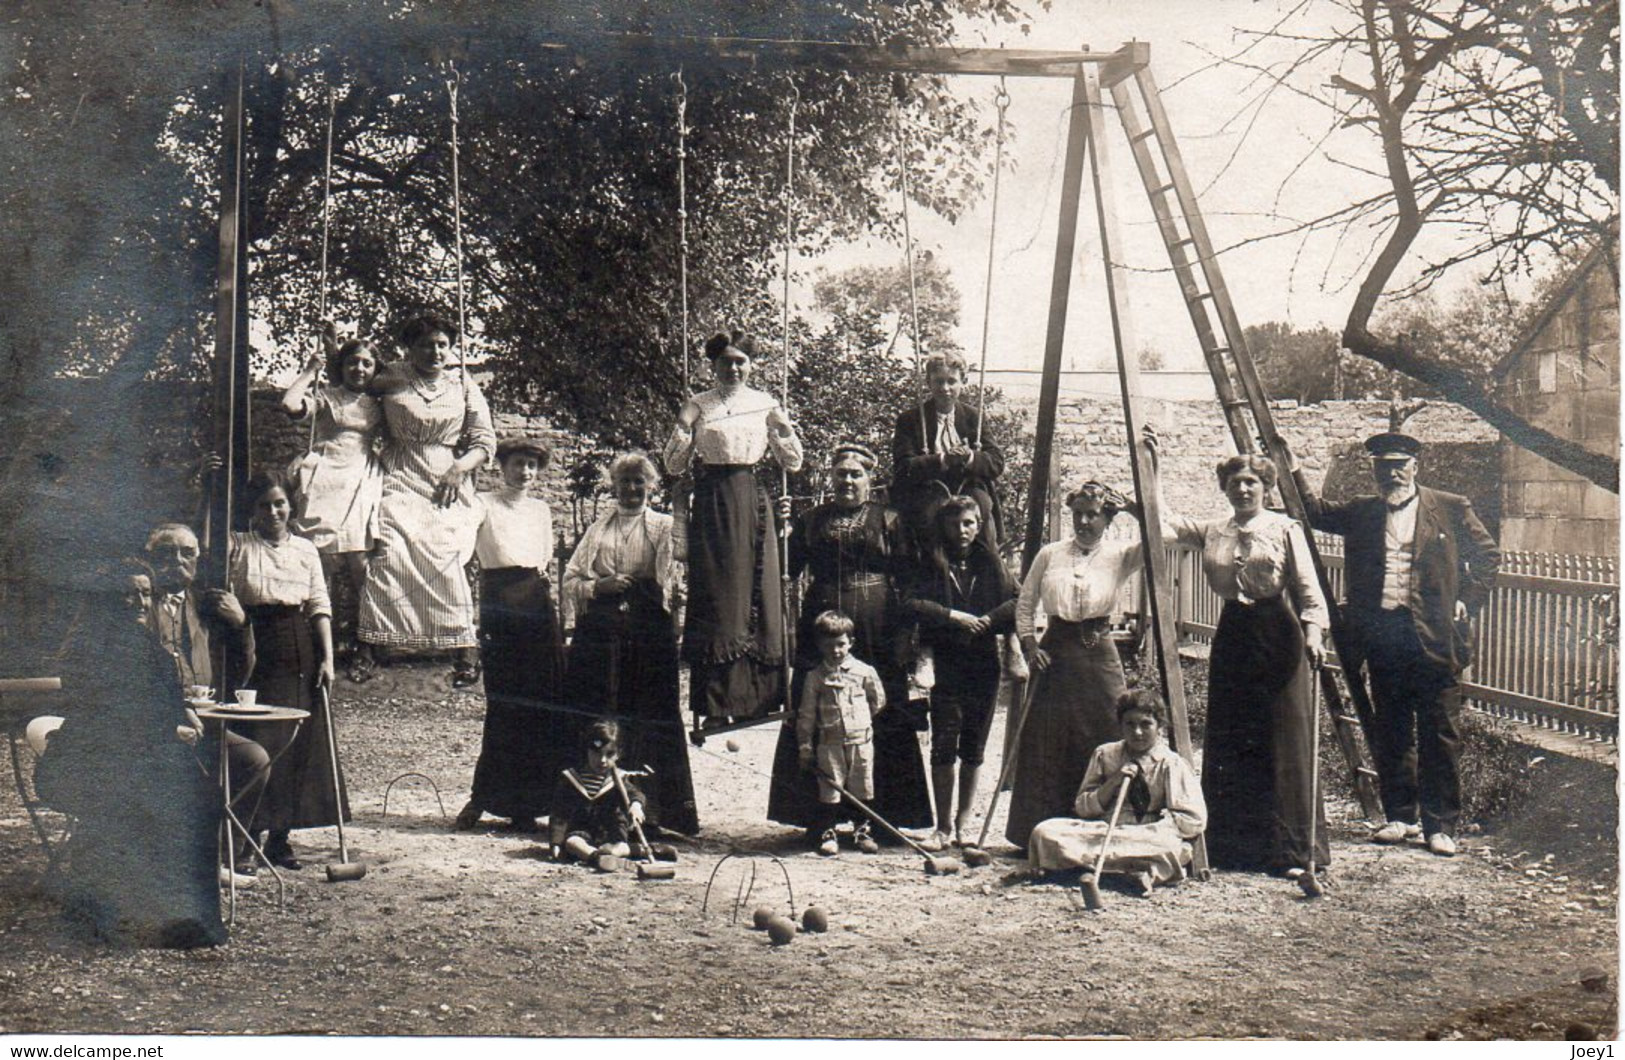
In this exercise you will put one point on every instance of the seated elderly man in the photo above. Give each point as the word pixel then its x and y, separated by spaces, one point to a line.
pixel 190 624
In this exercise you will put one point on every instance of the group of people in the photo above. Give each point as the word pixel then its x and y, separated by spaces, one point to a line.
pixel 909 620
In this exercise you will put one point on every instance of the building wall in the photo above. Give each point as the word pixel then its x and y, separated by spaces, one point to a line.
pixel 1566 381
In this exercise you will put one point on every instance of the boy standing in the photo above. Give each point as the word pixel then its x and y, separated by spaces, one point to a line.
pixel 835 726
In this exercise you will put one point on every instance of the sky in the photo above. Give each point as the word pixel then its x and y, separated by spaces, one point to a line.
pixel 1255 169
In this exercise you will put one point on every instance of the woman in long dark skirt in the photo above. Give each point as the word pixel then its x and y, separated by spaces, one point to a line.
pixel 528 736
pixel 1076 672
pixel 733 632
pixel 278 579
pixel 1257 769
pixel 853 549
pixel 623 657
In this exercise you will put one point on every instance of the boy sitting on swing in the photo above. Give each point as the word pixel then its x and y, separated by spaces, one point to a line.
pixel 1157 817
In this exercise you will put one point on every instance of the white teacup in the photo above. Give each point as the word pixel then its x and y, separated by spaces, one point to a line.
pixel 245 697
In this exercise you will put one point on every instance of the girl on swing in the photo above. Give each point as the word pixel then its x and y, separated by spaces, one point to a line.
pixel 338 483
pixel 733 635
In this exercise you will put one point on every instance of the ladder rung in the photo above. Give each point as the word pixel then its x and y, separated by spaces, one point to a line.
pixel 1188 241
pixel 1198 296
pixel 1236 403
pixel 1366 771
pixel 1163 190
pixel 1145 134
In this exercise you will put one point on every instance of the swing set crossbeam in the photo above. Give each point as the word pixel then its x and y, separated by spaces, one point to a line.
pixel 766 53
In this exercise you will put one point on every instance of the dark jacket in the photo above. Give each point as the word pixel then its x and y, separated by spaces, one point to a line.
pixel 1455 559
pixel 988 591
pixel 919 479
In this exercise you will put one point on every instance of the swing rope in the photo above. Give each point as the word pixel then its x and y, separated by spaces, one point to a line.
pixel 453 83
pixel 321 289
pixel 789 242
pixel 1002 101
pixel 784 384
pixel 900 91
pixel 682 221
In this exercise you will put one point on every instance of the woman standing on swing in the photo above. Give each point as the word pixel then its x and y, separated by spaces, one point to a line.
pixel 733 636
pixel 338 483
pixel 439 433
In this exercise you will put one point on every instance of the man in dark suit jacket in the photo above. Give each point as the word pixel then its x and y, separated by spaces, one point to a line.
pixel 1419 565
pixel 935 455
pixel 188 623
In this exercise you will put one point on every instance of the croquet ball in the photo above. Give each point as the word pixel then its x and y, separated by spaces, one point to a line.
pixel 732 745
pixel 815 919
pixel 762 915
pixel 781 930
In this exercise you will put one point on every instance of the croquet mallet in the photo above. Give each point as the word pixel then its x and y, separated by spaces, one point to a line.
pixel 345 869
pixel 934 866
pixel 648 869
pixel 1091 880
pixel 1308 880
pixel 976 854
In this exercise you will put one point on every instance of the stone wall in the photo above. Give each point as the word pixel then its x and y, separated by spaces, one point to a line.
pixel 1091 442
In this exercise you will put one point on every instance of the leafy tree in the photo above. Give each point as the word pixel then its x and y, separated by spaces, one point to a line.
pixel 569 210
pixel 1497 120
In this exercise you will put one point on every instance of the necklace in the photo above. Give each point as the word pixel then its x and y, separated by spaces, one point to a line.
pixel 429 391
pixel 954 569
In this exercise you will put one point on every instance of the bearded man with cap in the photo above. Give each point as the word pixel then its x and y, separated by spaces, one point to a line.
pixel 1419 566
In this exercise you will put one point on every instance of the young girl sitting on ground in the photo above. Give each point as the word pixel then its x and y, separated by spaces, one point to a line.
pixel 595 805
pixel 1163 810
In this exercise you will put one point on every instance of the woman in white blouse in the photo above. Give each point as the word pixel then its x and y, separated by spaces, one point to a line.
pixel 733 635
pixel 527 739
pixel 1257 773
pixel 1076 672
pixel 277 577
pixel 623 657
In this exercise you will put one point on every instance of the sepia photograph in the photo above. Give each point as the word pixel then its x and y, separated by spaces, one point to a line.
pixel 934 520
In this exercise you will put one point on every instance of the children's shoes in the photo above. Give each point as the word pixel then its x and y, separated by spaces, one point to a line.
pixel 864 840
pixel 827 844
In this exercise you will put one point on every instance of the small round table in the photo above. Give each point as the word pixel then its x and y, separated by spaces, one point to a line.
pixel 224 714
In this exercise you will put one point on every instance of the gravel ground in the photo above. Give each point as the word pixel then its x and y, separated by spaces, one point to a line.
pixel 474 933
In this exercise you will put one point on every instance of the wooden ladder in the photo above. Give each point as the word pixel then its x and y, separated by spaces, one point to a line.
pixel 1235 378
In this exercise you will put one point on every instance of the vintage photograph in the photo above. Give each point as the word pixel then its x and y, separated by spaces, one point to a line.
pixel 815 519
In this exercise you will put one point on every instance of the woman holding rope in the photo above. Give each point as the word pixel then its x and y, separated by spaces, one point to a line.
pixel 439 433
pixel 338 483
pixel 733 636
pixel 623 657
pixel 854 550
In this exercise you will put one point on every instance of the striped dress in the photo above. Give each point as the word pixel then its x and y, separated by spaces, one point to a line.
pixel 417 593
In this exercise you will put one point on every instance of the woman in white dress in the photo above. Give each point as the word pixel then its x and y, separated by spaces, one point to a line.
pixel 277 578
pixel 338 483
pixel 417 593
pixel 623 657
pixel 733 635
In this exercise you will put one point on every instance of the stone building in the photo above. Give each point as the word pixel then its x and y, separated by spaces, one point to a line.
pixel 1563 375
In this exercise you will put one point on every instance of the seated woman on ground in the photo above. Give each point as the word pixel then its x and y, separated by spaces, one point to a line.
pixel 1162 809
pixel 595 806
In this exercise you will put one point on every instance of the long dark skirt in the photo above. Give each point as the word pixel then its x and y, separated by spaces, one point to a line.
pixel 529 739
pixel 300 792
pixel 1256 766
pixel 733 635
pixel 1071 711
pixel 901 793
pixel 623 665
